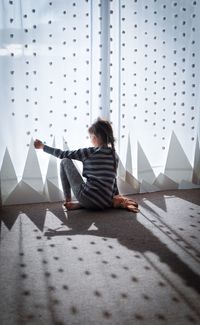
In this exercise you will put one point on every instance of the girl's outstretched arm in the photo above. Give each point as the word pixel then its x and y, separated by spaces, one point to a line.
pixel 38 144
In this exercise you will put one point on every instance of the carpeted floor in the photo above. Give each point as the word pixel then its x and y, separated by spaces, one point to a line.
pixel 111 267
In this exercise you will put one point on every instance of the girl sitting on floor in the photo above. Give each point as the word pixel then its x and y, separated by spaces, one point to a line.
pixel 100 163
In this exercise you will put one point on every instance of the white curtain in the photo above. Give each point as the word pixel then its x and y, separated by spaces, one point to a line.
pixel 64 63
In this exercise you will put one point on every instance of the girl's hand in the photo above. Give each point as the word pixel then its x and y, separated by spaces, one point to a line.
pixel 38 144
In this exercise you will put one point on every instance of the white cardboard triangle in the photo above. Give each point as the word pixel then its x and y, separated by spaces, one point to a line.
pixel 24 193
pixel 124 187
pixel 145 171
pixel 7 168
pixel 177 165
pixel 129 167
pixel 163 182
pixel 8 176
pixel 185 185
pixel 52 192
pixel 121 171
pixel 146 187
pixel 133 182
pixel 52 170
pixel 32 173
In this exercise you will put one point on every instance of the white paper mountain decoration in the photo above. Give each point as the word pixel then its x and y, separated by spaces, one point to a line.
pixel 146 187
pixel 52 192
pixel 163 182
pixel 51 186
pixel 32 173
pixel 145 171
pixel 23 193
pixel 177 165
pixel 8 178
pixel 178 174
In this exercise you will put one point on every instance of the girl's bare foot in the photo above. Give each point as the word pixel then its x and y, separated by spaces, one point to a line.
pixel 72 205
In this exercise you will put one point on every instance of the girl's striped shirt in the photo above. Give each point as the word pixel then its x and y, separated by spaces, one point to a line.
pixel 98 169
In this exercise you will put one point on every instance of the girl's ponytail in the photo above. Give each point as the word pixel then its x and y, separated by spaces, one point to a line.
pixel 112 142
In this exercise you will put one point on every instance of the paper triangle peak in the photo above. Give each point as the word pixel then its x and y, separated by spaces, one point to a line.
pixel 163 182
pixel 8 178
pixel 177 165
pixel 145 171
pixel 7 168
pixel 145 187
pixel 124 187
pixel 52 191
pixel 128 165
pixel 185 185
pixel 52 170
pixel 133 182
pixel 121 170
pixel 24 193
pixel 32 173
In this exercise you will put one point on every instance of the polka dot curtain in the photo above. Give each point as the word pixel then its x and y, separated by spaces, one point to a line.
pixel 64 63
pixel 155 59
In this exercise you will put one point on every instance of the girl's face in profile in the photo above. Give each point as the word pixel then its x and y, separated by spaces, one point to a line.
pixel 96 142
pixel 93 139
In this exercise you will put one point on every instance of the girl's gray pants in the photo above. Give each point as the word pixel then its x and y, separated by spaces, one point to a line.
pixel 72 180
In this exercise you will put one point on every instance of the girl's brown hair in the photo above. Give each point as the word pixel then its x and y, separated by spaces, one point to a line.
pixel 103 129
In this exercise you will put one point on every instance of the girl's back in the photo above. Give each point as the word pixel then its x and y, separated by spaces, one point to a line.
pixel 100 172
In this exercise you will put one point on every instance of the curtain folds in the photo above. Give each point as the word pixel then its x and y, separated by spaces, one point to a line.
pixel 64 63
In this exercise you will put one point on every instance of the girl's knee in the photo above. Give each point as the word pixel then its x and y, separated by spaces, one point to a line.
pixel 65 162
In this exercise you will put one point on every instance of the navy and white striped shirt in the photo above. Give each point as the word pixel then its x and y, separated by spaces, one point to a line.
pixel 98 169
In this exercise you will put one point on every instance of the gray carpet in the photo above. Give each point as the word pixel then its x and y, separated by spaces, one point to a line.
pixel 111 267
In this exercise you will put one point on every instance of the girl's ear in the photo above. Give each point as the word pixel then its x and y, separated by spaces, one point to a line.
pixel 93 139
